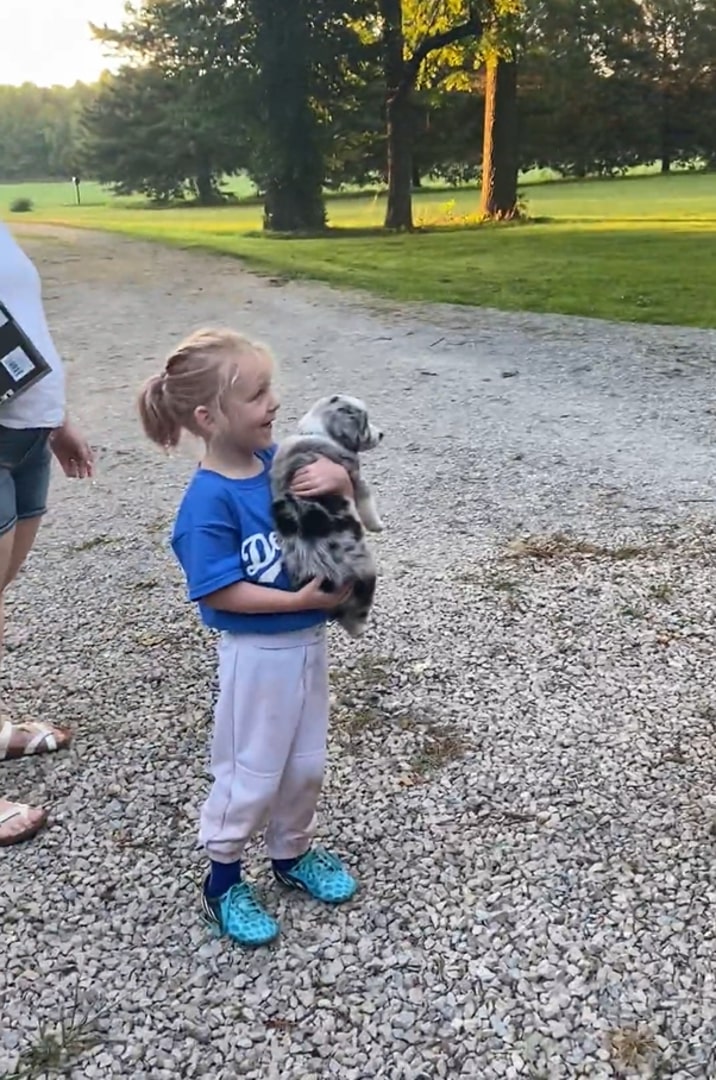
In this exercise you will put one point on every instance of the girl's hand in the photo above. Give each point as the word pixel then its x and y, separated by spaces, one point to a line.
pixel 312 598
pixel 323 477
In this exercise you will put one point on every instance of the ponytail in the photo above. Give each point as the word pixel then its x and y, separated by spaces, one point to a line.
pixel 158 421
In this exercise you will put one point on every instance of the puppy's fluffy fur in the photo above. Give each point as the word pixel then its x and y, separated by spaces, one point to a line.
pixel 324 537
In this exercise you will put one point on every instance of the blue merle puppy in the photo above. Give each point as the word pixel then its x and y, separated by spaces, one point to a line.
pixel 324 537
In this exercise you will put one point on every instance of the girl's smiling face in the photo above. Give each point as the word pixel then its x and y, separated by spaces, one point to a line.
pixel 243 420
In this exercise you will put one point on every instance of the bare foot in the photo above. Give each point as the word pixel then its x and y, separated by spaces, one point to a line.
pixel 19 822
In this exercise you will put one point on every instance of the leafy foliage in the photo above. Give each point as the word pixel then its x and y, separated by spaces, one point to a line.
pixel 303 95
pixel 39 130
pixel 159 134
pixel 179 116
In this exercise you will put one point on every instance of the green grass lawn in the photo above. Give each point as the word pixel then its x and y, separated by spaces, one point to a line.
pixel 640 249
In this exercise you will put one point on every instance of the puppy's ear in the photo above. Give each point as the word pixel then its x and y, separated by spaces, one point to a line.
pixel 333 400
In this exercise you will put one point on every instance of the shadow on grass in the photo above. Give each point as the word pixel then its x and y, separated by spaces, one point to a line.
pixel 378 232
pixel 377 194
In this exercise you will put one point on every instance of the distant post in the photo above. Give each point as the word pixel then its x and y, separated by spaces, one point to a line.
pixel 78 196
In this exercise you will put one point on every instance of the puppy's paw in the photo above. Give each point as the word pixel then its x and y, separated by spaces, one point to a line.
pixel 353 627
pixel 373 523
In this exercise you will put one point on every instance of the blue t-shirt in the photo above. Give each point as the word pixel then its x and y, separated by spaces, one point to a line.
pixel 225 533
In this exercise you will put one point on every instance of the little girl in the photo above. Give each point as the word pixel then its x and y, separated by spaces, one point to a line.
pixel 271 719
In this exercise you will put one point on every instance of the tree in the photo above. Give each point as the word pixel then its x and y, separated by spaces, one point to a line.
pixel 204 36
pixel 154 132
pixel 676 40
pixel 398 86
pixel 287 61
pixel 461 39
pixel 616 83
pixel 584 107
pixel 449 136
pixel 500 154
pixel 354 133
pixel 190 59
pixel 411 31
pixel 312 73
pixel 290 147
pixel 39 130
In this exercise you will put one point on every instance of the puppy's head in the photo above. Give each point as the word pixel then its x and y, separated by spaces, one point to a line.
pixel 343 419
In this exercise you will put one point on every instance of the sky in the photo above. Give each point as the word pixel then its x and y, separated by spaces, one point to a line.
pixel 59 47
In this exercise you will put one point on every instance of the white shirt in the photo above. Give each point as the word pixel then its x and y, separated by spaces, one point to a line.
pixel 43 405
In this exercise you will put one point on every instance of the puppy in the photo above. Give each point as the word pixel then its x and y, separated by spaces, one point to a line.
pixel 324 537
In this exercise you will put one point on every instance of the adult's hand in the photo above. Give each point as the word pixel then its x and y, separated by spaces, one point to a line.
pixel 73 452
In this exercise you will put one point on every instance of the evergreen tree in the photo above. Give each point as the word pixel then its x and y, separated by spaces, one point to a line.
pixel 191 59
pixel 153 132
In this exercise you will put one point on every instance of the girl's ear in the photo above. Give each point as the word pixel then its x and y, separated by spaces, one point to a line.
pixel 204 419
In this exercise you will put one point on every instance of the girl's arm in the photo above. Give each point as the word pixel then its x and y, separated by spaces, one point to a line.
pixel 245 598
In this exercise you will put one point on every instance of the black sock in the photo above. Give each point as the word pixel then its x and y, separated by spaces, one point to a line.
pixel 222 877
pixel 283 866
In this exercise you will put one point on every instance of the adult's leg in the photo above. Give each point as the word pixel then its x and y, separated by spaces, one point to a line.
pixel 33 737
pixel 24 481
pixel 7 543
pixel 17 821
pixel 15 546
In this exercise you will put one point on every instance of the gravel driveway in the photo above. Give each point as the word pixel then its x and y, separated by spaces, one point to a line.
pixel 523 751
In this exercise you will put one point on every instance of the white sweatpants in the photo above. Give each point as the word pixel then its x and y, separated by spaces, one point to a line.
pixel 269 745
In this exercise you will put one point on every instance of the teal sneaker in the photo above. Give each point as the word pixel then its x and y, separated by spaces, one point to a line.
pixel 240 916
pixel 321 875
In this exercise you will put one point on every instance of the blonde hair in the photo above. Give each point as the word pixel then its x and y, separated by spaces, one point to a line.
pixel 199 372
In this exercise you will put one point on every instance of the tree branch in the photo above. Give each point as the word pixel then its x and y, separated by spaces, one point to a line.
pixel 473 27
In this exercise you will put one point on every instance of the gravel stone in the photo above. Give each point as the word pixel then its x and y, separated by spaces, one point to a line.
pixel 523 748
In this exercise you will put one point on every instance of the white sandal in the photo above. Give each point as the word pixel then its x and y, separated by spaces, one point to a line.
pixel 36 737
pixel 19 822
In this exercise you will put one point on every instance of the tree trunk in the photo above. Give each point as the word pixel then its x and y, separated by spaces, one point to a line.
pixel 206 193
pixel 292 156
pixel 665 149
pixel 665 129
pixel 500 157
pixel 290 208
pixel 399 211
pixel 417 178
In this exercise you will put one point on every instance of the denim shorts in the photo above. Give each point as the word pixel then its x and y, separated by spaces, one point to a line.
pixel 24 474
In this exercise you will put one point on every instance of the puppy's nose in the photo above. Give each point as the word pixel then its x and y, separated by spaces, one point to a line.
pixel 380 436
